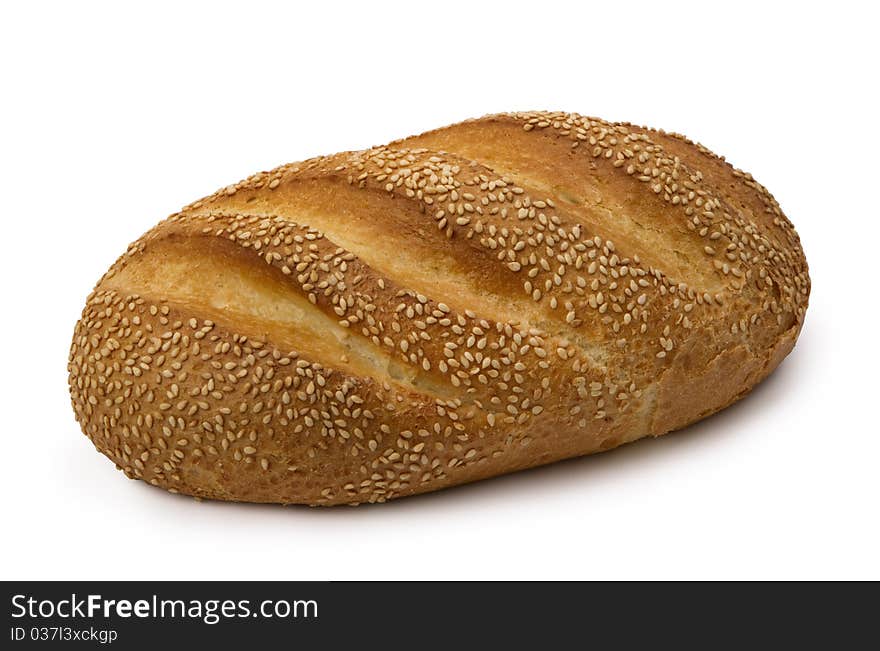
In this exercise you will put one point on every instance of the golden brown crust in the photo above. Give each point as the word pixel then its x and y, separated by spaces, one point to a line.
pixel 490 296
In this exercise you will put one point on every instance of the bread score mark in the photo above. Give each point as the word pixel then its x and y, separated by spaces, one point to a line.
pixel 430 272
pixel 217 278
pixel 372 225
pixel 594 194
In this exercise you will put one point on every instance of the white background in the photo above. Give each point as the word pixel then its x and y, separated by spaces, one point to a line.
pixel 114 117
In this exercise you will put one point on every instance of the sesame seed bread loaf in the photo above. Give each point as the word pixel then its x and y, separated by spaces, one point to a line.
pixel 494 295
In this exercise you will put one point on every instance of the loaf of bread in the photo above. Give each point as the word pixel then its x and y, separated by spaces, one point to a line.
pixel 490 296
